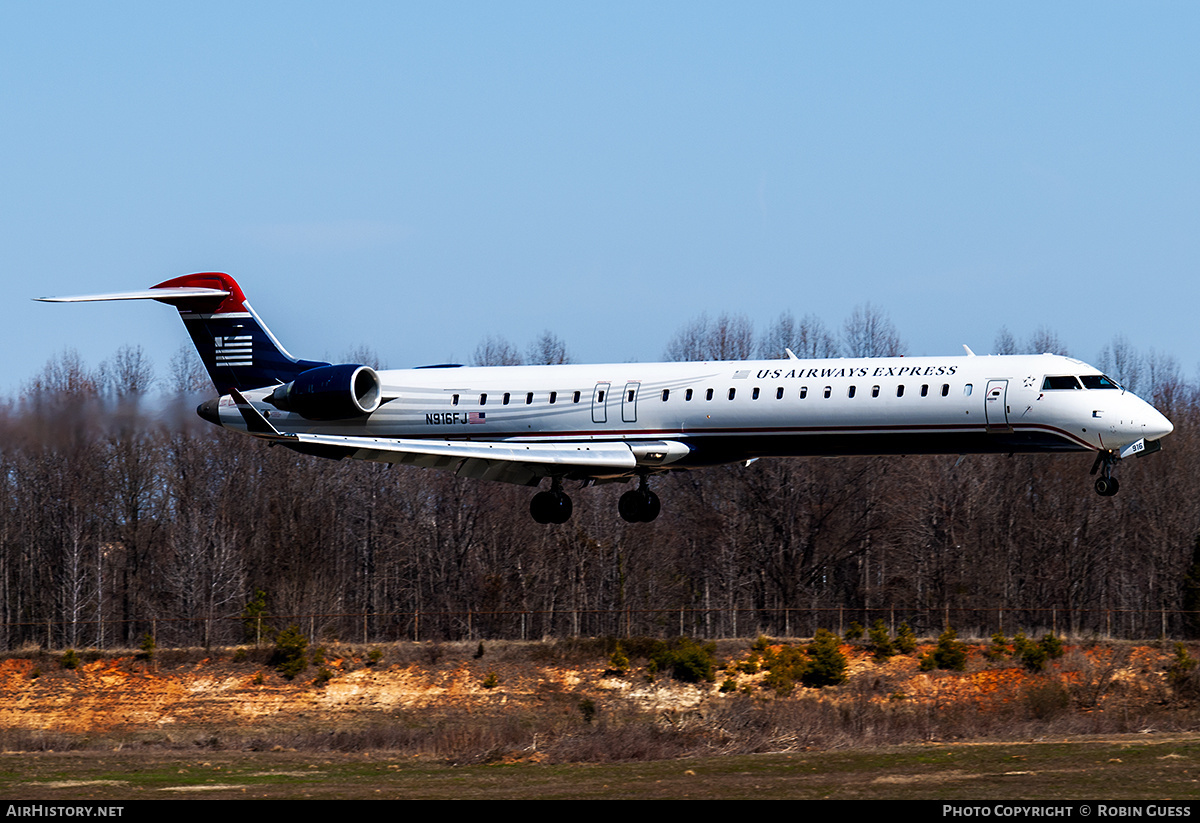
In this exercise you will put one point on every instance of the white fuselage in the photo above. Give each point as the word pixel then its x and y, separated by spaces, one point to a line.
pixel 524 424
pixel 729 411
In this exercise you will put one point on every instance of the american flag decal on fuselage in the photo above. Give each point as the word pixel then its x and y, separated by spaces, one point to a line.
pixel 234 351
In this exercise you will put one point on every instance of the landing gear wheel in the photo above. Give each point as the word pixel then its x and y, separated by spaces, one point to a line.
pixel 1106 484
pixel 639 506
pixel 652 507
pixel 551 507
pixel 630 507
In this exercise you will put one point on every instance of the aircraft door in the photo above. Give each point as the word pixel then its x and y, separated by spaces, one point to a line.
pixel 629 403
pixel 600 403
pixel 995 406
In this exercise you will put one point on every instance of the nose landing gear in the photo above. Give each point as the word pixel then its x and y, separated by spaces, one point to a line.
pixel 1106 484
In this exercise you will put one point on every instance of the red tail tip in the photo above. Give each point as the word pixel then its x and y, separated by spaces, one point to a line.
pixel 211 280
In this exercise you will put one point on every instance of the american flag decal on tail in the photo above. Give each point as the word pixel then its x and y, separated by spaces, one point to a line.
pixel 234 351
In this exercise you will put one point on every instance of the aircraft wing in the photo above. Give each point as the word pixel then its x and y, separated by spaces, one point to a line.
pixel 511 462
pixel 523 463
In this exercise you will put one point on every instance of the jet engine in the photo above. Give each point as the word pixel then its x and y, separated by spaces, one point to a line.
pixel 330 393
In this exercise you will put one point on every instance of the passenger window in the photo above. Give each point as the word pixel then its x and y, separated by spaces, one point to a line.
pixel 754 394
pixel 850 393
pixel 630 398
pixel 803 392
pixel 666 394
pixel 575 398
pixel 1053 382
pixel 900 390
pixel 967 390
pixel 731 393
pixel 708 395
pixel 528 398
pixel 506 398
pixel 600 396
pixel 455 402
pixel 828 391
pixel 779 393
pixel 945 389
pixel 553 397
pixel 925 390
pixel 687 395
pixel 483 399
pixel 874 391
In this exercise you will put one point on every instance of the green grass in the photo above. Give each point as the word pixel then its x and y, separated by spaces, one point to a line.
pixel 1145 767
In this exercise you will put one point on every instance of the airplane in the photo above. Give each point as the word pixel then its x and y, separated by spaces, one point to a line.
pixel 631 421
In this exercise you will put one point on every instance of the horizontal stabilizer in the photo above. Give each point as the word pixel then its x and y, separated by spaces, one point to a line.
pixel 163 295
pixel 237 349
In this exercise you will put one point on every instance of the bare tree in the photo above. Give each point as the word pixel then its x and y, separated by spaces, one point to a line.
pixel 1121 361
pixel 869 333
pixel 128 375
pixel 494 350
pixel 688 343
pixel 109 521
pixel 1005 342
pixel 548 350
pixel 1166 385
pixel 729 337
pixel 1046 341
pixel 808 338
pixel 188 376
pixel 64 375
pixel 364 356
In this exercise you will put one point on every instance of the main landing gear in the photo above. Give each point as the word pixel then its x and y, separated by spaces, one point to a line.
pixel 639 505
pixel 1106 484
pixel 554 506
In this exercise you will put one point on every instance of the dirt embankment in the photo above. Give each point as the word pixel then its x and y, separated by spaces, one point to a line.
pixel 178 691
pixel 124 693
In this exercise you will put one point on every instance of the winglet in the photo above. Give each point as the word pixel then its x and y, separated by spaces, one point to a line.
pixel 967 349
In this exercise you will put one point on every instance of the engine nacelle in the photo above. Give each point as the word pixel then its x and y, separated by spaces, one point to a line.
pixel 330 393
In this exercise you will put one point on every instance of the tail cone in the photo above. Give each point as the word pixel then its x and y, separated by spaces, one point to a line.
pixel 209 410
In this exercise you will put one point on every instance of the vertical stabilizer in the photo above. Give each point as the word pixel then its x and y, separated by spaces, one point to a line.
pixel 237 348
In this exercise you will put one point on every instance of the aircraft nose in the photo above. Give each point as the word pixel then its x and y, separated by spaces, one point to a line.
pixel 1158 425
pixel 209 410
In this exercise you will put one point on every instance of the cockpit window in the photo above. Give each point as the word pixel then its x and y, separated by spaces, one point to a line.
pixel 1098 381
pixel 1065 381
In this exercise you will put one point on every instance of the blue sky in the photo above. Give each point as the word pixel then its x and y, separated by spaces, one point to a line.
pixel 412 177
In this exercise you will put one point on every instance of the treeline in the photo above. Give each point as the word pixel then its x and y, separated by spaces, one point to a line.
pixel 125 515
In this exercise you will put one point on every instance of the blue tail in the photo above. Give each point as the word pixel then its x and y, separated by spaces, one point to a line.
pixel 238 350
